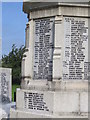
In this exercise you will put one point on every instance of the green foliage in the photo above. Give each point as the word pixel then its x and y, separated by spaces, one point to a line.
pixel 14 87
pixel 13 60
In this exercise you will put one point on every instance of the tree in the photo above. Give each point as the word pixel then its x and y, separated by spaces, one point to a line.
pixel 13 60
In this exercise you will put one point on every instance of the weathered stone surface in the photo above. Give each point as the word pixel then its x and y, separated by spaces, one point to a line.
pixel 52 104
pixel 59 90
pixel 5 92
pixel 5 85
pixel 5 109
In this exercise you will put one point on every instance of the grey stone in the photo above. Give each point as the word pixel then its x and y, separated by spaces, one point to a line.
pixel 5 85
pixel 55 69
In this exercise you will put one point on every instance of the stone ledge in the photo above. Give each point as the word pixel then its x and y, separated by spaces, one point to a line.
pixel 63 85
pixel 23 114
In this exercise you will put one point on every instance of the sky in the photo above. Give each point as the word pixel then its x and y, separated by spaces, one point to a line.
pixel 13 25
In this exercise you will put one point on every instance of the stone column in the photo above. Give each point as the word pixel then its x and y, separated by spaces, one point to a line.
pixel 57 55
pixel 27 61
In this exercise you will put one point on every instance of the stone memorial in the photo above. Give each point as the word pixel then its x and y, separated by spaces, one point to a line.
pixel 56 64
pixel 6 85
pixel 5 92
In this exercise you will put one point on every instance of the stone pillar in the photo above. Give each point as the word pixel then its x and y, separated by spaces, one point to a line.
pixel 27 61
pixel 57 55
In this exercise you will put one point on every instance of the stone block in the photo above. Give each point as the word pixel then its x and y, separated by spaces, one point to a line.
pixel 84 103
pixel 66 102
pixel 5 84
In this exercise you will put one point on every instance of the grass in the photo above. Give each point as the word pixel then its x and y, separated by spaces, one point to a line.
pixel 14 87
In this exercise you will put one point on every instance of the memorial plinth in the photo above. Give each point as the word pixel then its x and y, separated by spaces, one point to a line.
pixel 55 68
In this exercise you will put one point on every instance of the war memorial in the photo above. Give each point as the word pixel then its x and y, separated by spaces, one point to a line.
pixel 56 64
pixel 5 92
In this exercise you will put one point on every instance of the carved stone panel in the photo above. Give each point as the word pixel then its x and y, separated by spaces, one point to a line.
pixel 43 48
pixel 75 59
pixel 5 85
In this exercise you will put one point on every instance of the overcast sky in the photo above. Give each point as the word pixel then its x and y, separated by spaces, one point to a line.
pixel 13 25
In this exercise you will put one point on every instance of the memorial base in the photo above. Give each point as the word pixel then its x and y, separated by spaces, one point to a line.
pixel 25 114
pixel 54 100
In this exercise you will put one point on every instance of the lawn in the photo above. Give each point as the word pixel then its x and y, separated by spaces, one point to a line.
pixel 14 87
